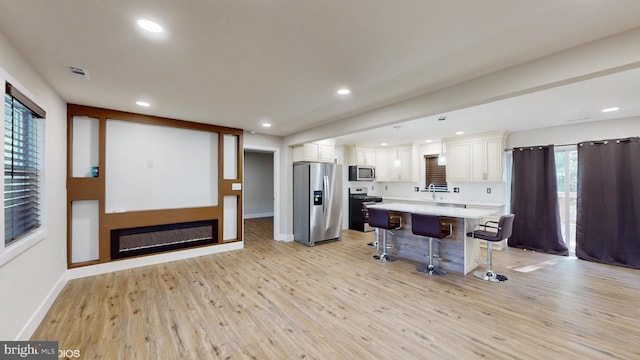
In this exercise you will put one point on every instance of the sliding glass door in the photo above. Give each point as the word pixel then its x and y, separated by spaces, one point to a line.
pixel 566 158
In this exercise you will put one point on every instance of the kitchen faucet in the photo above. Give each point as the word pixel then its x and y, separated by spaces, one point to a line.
pixel 432 188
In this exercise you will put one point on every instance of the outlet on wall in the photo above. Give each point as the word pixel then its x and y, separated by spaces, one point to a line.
pixel 456 189
pixel 488 190
pixel 416 188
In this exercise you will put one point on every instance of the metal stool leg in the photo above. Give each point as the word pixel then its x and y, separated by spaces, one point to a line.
pixel 384 257
pixel 489 275
pixel 430 269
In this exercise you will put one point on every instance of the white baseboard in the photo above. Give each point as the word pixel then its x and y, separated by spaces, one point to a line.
pixel 285 237
pixel 37 317
pixel 258 215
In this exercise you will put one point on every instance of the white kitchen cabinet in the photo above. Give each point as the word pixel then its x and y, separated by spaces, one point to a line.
pixel 458 162
pixel 382 165
pixel 477 159
pixel 360 156
pixel 486 160
pixel 319 151
pixel 387 168
pixel 326 152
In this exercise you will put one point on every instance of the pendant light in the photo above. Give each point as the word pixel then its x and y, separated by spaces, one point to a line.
pixel 442 158
pixel 396 162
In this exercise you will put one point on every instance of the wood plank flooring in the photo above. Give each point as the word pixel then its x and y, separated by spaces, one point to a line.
pixel 276 300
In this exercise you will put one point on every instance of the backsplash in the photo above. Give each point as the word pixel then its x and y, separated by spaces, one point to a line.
pixel 472 192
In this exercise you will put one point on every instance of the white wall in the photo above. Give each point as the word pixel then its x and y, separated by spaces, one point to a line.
pixel 157 158
pixel 258 184
pixel 31 280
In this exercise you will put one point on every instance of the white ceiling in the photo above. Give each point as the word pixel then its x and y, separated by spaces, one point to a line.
pixel 239 63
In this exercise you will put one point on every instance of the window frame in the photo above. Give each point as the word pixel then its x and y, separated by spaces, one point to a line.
pixel 9 251
pixel 440 186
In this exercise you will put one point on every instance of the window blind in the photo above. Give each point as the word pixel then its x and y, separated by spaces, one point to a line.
pixel 22 144
pixel 435 174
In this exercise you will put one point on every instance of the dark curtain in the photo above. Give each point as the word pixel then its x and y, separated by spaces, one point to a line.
pixel 534 201
pixel 608 219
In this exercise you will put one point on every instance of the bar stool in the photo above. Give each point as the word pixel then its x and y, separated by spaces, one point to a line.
pixel 502 231
pixel 430 226
pixel 380 219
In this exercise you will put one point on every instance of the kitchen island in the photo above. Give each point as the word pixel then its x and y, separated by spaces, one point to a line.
pixel 457 253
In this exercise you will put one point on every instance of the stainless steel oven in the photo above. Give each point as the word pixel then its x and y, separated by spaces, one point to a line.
pixel 358 214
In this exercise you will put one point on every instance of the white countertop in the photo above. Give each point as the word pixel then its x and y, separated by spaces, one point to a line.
pixel 435 210
pixel 436 201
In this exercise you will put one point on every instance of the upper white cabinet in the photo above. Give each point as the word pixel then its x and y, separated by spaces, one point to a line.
pixel 360 156
pixel 382 165
pixel 397 164
pixel 319 151
pixel 458 161
pixel 476 159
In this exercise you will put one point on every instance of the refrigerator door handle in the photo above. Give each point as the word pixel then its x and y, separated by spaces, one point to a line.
pixel 325 189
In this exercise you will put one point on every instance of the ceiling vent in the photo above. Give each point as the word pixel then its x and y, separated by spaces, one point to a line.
pixel 79 71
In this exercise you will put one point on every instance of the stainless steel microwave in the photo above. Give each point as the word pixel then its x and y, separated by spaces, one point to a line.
pixel 362 173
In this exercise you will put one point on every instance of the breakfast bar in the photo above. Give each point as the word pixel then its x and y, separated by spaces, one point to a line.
pixel 457 253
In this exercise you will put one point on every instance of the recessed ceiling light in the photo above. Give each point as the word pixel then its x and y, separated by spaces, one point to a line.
pixel 459 132
pixel 343 92
pixel 266 125
pixel 428 141
pixel 611 109
pixel 383 144
pixel 143 103
pixel 150 26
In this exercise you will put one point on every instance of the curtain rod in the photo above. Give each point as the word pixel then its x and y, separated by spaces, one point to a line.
pixel 592 142
pixel 560 145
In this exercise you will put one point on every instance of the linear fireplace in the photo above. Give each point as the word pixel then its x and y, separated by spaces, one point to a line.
pixel 158 238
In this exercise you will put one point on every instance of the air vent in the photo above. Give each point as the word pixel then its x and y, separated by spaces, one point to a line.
pixel 79 71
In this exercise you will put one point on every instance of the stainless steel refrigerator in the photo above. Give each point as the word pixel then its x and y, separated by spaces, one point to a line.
pixel 317 202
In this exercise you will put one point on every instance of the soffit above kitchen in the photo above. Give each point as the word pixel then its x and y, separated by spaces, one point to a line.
pixel 245 63
pixel 574 103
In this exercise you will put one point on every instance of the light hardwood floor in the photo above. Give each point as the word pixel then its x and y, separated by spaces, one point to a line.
pixel 276 300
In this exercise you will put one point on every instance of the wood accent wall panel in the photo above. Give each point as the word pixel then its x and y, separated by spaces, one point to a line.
pixel 94 188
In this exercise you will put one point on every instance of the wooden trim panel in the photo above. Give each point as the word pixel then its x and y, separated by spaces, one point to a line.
pixel 94 188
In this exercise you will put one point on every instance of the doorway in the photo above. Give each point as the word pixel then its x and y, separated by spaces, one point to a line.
pixel 260 184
